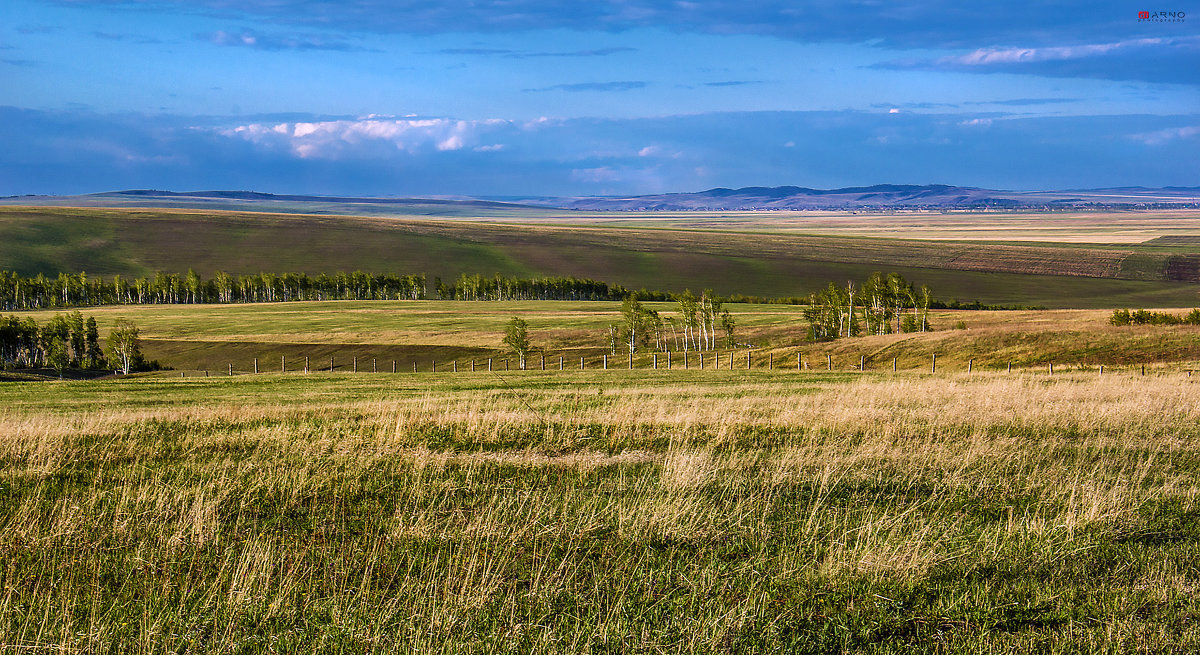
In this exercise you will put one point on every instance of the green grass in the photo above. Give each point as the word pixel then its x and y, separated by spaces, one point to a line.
pixel 600 512
pixel 139 242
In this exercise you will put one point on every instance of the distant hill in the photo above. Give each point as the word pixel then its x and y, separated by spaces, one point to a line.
pixel 879 196
pixel 876 197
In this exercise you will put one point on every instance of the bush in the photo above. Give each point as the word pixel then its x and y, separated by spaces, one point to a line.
pixel 1144 317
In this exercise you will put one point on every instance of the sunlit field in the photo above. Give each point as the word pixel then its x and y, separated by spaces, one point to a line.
pixel 601 512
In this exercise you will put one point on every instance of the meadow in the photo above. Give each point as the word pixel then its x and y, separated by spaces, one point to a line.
pixel 601 511
pixel 194 338
pixel 607 511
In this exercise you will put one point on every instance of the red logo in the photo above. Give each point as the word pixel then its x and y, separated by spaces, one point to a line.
pixel 1143 15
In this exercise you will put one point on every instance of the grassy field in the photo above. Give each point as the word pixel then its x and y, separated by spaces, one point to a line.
pixel 720 256
pixel 211 337
pixel 601 512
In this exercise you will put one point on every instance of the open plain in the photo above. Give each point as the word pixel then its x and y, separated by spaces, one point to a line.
pixel 989 505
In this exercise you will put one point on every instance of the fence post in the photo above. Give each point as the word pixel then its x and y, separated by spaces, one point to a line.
pixel 933 366
pixel 701 361
pixel 770 361
pixel 374 368
pixel 656 361
pixel 581 363
pixel 1051 368
pixel 829 361
pixel 799 362
pixel 1143 369
pixel 356 363
pixel 414 366
pixel 231 370
pixel 543 361
pixel 256 365
pixel 560 362
pixel 894 364
pixel 283 363
pixel 456 366
pixel 506 363
pixel 862 363
pixel 433 366
pixel 748 359
pixel 970 365
pixel 606 361
pixel 668 360
pixel 393 366
pixel 472 364
pixel 489 363
pixel 306 363
pixel 731 360
pixel 1102 370
pixel 331 363
pixel 1010 367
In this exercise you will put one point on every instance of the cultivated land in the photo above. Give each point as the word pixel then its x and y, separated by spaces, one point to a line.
pixel 726 256
pixel 602 512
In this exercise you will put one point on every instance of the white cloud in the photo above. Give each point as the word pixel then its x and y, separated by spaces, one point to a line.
pixel 1159 137
pixel 988 56
pixel 601 174
pixel 343 139
pixel 976 122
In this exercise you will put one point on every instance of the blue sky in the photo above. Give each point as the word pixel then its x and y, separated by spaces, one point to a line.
pixel 529 97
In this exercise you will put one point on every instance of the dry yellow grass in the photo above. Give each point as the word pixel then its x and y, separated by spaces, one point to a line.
pixel 559 517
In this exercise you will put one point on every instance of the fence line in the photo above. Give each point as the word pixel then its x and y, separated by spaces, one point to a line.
pixel 653 362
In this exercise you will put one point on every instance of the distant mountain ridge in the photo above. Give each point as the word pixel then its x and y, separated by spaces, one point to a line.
pixel 879 196
pixel 795 198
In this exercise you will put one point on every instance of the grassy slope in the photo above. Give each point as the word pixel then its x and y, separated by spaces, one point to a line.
pixel 740 513
pixel 140 242
pixel 211 337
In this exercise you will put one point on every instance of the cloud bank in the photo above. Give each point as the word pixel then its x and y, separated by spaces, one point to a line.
pixel 78 152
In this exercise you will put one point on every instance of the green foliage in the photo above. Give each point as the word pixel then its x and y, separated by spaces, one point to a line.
pixel 1144 317
pixel 882 305
pixel 516 338
pixel 67 290
pixel 124 346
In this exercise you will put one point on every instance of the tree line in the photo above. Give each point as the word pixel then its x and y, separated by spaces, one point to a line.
pixel 79 289
pixel 69 341
pixel 499 287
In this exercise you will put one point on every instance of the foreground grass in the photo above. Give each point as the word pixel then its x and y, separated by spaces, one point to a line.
pixel 601 512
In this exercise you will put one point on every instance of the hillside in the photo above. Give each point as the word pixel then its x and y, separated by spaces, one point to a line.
pixel 137 243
